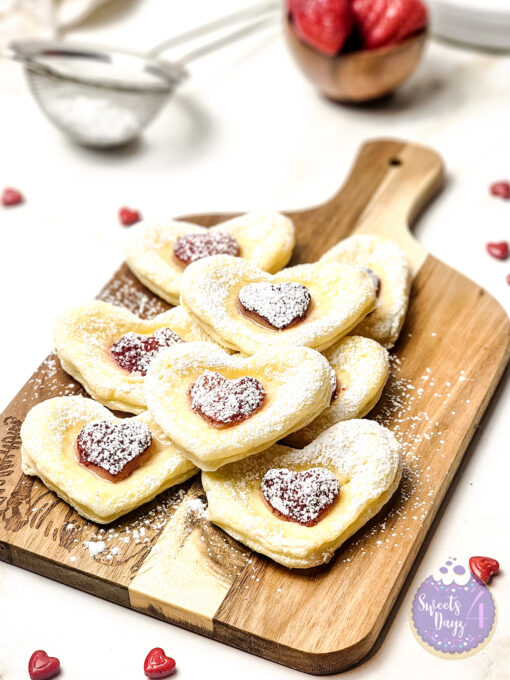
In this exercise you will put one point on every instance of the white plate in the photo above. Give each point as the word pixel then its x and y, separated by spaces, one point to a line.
pixel 483 23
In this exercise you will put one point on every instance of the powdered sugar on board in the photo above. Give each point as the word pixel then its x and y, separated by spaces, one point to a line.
pixel 50 380
pixel 420 433
pixel 95 547
pixel 127 541
pixel 125 291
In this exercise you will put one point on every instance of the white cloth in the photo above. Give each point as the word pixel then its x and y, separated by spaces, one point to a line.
pixel 41 18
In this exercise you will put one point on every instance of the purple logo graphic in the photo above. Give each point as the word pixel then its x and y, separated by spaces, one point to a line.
pixel 453 613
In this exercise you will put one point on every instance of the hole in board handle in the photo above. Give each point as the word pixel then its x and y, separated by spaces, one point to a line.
pixel 395 162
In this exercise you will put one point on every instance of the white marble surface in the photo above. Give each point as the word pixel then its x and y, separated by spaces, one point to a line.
pixel 245 131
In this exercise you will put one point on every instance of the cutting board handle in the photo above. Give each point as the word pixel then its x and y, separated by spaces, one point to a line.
pixel 390 183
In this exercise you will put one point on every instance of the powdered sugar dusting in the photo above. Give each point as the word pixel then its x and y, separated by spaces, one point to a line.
pixel 112 446
pixel 192 247
pixel 334 384
pixel 389 263
pixel 49 435
pixel 301 497
pixel 123 291
pixel 376 281
pixel 50 381
pixel 266 239
pixel 128 541
pixel 297 378
pixel 420 431
pixel 197 506
pixel 361 454
pixel 95 547
pixel 86 334
pixel 362 367
pixel 226 401
pixel 135 352
pixel 210 290
pixel 280 304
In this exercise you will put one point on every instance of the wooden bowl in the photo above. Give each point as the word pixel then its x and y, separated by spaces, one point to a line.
pixel 357 76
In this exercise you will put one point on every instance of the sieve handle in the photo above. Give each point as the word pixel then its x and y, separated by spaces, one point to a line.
pixel 255 18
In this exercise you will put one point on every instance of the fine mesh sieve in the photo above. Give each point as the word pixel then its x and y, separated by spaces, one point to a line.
pixel 104 97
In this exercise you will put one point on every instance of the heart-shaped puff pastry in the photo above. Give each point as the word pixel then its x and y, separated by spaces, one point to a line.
pixel 266 239
pixel 84 337
pixel 392 278
pixel 294 382
pixel 49 450
pixel 361 371
pixel 363 456
pixel 340 296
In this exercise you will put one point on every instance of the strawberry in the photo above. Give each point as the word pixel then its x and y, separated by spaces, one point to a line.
pixel 387 22
pixel 323 24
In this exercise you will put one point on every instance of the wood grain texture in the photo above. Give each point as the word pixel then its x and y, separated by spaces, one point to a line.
pixel 451 354
pixel 189 575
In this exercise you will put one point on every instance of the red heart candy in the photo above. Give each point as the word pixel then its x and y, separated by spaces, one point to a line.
pixel 42 667
pixel 483 567
pixel 498 249
pixel 128 217
pixel 501 189
pixel 157 664
pixel 11 197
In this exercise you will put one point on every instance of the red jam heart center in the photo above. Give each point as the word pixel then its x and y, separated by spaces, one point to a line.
pixel 157 664
pixel 483 567
pixel 43 667
pixel 113 450
pixel 223 401
pixel 302 497
pixel 192 247
pixel 278 304
pixel 335 386
pixel 376 281
pixel 134 352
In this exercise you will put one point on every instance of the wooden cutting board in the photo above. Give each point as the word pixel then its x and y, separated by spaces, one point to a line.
pixel 167 561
